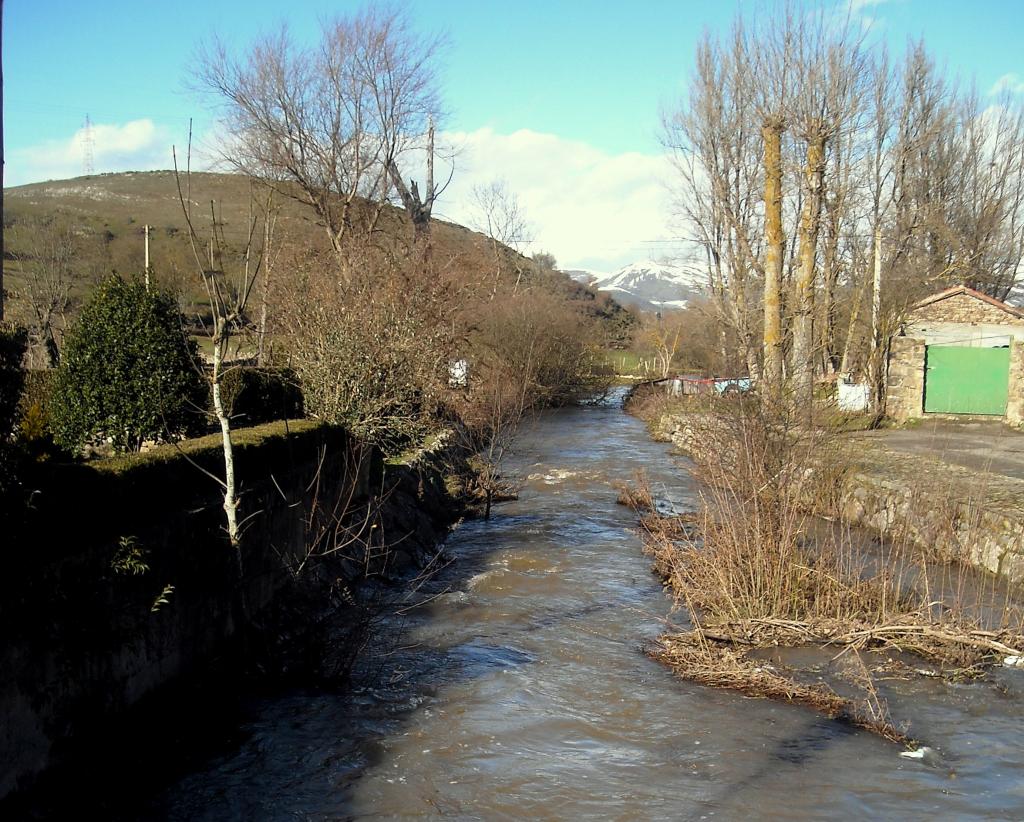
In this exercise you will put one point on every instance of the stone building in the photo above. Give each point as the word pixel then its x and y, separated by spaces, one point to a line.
pixel 958 352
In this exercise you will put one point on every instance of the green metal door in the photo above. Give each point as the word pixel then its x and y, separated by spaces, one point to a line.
pixel 966 380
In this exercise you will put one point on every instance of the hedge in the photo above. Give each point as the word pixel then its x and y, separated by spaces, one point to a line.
pixel 110 497
pixel 254 395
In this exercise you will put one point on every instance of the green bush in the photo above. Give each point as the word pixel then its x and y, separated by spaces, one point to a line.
pixel 128 373
pixel 34 430
pixel 13 341
pixel 256 395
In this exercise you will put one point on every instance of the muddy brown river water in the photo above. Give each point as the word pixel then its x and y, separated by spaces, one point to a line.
pixel 519 691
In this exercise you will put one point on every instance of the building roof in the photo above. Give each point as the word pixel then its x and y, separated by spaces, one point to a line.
pixel 970 292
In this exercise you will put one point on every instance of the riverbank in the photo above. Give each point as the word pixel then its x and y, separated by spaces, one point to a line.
pixel 142 593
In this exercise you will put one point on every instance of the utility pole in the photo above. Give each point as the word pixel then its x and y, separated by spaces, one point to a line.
pixel 146 232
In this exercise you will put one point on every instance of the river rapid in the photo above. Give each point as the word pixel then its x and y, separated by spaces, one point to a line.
pixel 512 685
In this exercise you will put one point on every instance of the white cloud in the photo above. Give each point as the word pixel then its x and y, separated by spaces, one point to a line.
pixel 859 12
pixel 857 6
pixel 589 208
pixel 139 145
pixel 1012 83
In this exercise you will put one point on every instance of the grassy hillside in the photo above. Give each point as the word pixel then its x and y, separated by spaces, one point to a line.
pixel 107 213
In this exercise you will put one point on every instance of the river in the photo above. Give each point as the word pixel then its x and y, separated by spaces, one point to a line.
pixel 513 686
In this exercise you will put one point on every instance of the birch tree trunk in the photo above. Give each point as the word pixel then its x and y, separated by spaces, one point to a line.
pixel 220 341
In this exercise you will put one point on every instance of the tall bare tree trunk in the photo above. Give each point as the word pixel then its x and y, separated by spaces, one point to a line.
pixel 876 310
pixel 831 281
pixel 774 245
pixel 261 352
pixel 803 315
pixel 845 365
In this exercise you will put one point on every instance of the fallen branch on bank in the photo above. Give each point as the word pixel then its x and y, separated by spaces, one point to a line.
pixel 692 656
pixel 944 644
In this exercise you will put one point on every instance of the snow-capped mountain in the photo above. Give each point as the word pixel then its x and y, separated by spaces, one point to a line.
pixel 647 284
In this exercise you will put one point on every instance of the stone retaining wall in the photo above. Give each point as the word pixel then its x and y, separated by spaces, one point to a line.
pixel 954 526
pixel 973 517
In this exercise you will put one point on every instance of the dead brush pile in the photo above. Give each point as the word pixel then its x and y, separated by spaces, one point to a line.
pixel 755 570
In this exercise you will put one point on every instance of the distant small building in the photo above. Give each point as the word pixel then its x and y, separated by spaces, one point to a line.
pixel 958 352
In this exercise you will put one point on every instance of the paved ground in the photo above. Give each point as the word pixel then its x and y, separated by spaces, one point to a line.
pixel 989 447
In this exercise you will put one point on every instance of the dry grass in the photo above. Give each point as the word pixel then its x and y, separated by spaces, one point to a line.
pixel 638 495
pixel 755 569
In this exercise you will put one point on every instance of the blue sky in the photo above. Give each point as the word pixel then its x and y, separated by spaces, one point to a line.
pixel 561 98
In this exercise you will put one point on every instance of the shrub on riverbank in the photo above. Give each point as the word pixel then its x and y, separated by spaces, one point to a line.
pixel 13 343
pixel 128 374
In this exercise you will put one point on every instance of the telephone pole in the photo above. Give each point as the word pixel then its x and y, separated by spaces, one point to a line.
pixel 146 232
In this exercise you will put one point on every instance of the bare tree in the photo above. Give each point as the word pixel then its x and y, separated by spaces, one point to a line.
pixel 498 215
pixel 717 153
pixel 986 215
pixel 829 66
pixel 48 265
pixel 772 87
pixel 329 125
pixel 664 335
pixel 836 187
pixel 270 253
pixel 491 416
pixel 228 278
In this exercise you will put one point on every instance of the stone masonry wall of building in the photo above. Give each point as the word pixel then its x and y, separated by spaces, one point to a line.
pixel 1015 392
pixel 905 379
pixel 962 308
